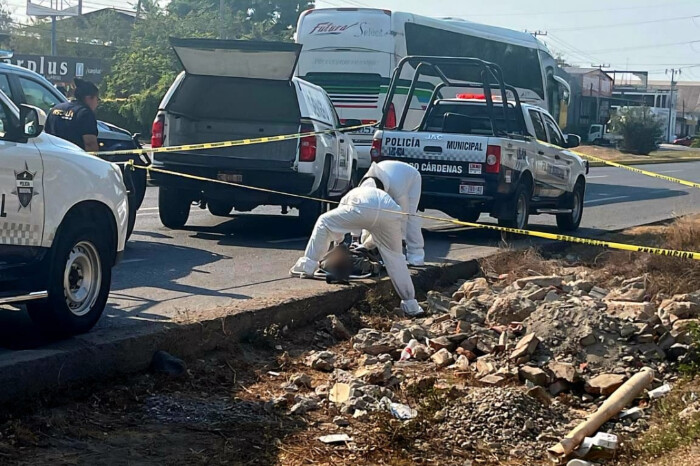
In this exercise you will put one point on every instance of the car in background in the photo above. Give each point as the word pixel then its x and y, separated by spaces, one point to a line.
pixel 686 141
pixel 25 87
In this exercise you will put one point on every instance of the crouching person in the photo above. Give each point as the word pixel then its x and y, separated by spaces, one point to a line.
pixel 364 208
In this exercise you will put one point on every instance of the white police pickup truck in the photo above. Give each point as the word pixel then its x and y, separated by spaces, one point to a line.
pixel 63 224
pixel 486 155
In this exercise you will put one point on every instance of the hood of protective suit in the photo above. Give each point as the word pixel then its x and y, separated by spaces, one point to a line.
pixel 376 171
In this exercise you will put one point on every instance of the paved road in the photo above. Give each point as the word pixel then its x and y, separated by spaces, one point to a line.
pixel 233 261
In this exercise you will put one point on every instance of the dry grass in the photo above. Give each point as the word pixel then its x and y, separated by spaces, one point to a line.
pixel 518 264
pixel 667 275
pixel 668 433
pixel 615 155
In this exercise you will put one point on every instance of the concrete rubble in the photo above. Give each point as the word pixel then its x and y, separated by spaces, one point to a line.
pixel 517 348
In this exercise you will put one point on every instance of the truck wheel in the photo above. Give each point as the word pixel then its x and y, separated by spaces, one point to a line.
pixel 219 208
pixel 80 275
pixel 571 222
pixel 310 211
pixel 470 215
pixel 173 207
pixel 520 209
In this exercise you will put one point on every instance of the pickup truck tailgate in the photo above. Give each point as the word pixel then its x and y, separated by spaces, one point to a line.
pixel 434 153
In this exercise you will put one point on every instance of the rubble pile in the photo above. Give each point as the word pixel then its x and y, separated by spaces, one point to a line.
pixel 517 363
pixel 502 421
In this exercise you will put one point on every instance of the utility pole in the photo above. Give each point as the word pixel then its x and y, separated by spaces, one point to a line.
pixel 673 72
pixel 221 19
pixel 600 87
pixel 54 51
pixel 138 9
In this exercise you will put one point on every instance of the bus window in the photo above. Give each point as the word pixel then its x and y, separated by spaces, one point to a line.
pixel 520 65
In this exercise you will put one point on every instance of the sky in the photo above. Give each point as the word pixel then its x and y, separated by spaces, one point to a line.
pixel 640 35
pixel 643 35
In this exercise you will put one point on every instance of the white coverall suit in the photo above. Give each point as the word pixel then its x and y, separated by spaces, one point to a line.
pixel 364 208
pixel 403 183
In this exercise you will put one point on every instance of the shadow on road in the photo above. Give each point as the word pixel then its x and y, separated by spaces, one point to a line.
pixel 598 194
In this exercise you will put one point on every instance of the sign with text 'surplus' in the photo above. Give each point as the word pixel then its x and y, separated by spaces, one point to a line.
pixel 62 69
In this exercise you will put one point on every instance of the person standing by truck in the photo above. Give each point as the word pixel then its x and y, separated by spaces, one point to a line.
pixel 75 121
pixel 403 183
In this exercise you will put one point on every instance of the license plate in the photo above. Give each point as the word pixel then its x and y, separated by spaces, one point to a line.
pixel 475 169
pixel 367 130
pixel 471 189
pixel 230 177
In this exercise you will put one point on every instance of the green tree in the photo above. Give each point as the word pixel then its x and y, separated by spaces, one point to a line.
pixel 639 128
pixel 97 35
pixel 143 70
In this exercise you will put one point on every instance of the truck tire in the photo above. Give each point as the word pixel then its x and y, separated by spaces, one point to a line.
pixel 571 222
pixel 310 211
pixel 470 215
pixel 173 207
pixel 79 278
pixel 219 208
pixel 520 208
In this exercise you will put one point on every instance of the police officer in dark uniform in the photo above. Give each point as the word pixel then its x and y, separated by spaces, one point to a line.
pixel 75 121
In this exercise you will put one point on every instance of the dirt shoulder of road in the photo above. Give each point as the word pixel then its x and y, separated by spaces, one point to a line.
pixel 270 398
pixel 656 157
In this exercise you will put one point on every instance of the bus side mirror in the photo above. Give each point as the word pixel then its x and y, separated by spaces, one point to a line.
pixel 573 140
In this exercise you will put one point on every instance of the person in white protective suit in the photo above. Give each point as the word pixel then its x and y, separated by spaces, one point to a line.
pixel 364 208
pixel 403 183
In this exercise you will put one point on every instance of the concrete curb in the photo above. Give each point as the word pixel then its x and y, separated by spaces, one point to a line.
pixel 95 356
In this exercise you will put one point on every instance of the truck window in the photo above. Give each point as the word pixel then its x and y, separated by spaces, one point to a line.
pixel 555 136
pixel 37 95
pixel 5 86
pixel 540 132
pixel 474 119
pixel 4 120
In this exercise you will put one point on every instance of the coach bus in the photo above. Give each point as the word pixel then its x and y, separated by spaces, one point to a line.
pixel 352 52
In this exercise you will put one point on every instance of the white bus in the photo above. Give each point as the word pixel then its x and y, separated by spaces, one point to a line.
pixel 352 52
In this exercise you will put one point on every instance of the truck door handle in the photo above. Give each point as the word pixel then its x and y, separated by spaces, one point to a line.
pixel 433 149
pixel 540 152
pixel 342 141
pixel 557 157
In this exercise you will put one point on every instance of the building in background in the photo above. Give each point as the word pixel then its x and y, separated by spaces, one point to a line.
pixel 591 97
pixel 687 106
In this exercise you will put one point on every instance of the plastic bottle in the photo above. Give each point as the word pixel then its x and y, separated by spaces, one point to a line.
pixel 407 352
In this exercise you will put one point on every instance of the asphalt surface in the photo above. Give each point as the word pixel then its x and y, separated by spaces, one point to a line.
pixel 233 262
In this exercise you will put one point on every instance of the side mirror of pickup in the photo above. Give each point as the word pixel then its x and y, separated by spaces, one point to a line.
pixel 29 120
pixel 573 140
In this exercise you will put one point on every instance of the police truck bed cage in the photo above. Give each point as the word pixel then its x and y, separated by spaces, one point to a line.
pixel 487 72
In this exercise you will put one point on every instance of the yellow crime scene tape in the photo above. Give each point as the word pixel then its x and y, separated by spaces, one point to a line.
pixel 639 170
pixel 536 234
pixel 223 144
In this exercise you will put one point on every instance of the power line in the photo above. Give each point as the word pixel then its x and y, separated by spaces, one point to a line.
pixel 597 10
pixel 638 47
pixel 635 23
pixel 585 55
